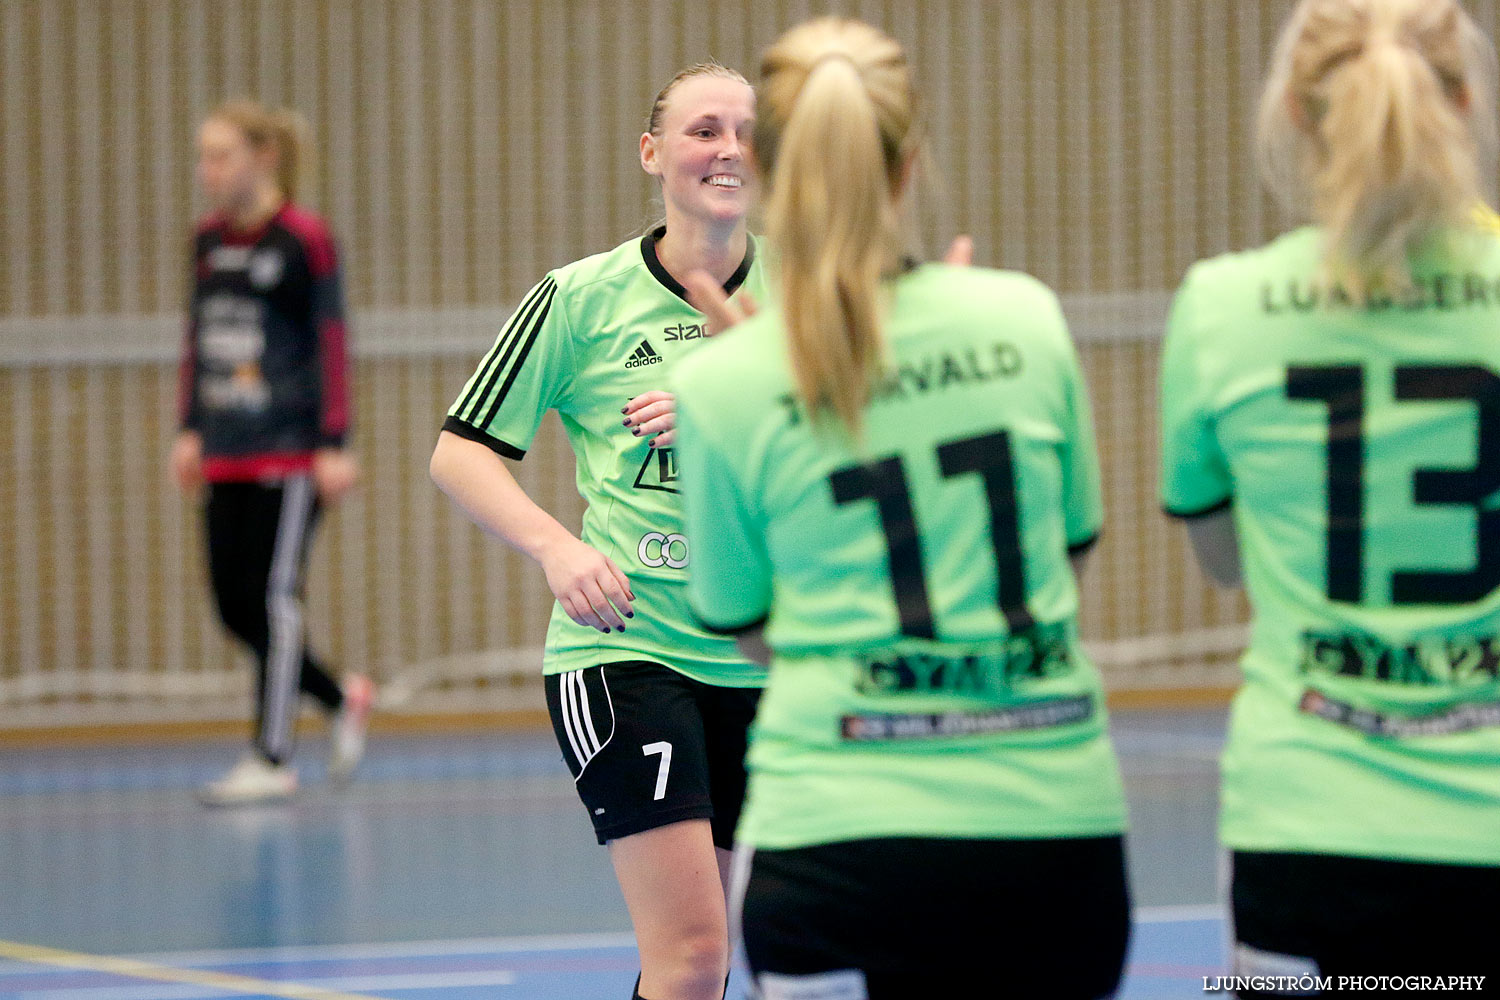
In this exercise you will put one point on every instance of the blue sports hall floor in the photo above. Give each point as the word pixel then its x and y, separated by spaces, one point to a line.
pixel 456 867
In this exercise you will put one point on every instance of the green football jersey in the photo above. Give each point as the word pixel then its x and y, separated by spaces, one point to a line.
pixel 590 337
pixel 1358 446
pixel 915 586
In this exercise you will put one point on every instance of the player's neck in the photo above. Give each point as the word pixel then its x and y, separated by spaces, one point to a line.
pixel 255 213
pixel 687 247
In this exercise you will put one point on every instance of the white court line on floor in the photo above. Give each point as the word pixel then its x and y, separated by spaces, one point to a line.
pixel 219 983
pixel 374 984
pixel 48 805
pixel 397 949
pixel 1186 914
pixel 498 945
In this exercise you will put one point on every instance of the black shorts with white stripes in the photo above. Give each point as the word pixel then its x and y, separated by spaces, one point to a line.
pixel 648 746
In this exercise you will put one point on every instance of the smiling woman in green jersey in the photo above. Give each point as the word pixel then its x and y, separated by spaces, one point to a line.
pixel 888 473
pixel 1331 420
pixel 651 711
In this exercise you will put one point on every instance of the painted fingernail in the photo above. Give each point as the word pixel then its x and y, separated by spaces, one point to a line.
pixel 624 409
pixel 636 431
pixel 622 628
pixel 630 614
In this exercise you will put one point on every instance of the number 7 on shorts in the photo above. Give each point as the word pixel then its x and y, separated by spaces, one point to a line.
pixel 665 749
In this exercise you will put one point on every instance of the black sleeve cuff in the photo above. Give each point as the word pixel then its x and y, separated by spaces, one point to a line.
pixel 733 630
pixel 468 432
pixel 1209 511
pixel 1079 548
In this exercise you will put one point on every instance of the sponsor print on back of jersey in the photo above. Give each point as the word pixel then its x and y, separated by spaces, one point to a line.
pixel 643 355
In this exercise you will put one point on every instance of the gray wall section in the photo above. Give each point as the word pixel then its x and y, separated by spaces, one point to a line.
pixel 465 146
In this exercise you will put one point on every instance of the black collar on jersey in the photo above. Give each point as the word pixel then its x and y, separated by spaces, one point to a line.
pixel 671 284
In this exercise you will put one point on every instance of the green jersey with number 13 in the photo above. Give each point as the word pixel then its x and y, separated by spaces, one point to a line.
pixel 1358 446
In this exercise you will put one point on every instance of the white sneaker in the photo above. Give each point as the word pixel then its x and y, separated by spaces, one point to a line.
pixel 254 779
pixel 347 738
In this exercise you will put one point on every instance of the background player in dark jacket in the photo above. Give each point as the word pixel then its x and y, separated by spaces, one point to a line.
pixel 264 410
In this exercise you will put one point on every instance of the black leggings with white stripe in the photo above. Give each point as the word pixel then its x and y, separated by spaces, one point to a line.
pixel 258 538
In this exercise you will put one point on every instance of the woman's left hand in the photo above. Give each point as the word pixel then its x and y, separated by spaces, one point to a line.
pixel 651 413
pixel 335 472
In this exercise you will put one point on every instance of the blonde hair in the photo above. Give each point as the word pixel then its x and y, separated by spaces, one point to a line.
pixel 1375 122
pixel 708 68
pixel 282 129
pixel 833 138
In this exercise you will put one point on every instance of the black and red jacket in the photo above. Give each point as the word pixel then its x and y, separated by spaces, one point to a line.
pixel 264 369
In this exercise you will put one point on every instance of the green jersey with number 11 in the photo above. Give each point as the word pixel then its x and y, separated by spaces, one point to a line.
pixel 1358 446
pixel 591 336
pixel 916 587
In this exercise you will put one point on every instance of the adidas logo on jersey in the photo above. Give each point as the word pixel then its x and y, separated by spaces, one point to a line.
pixel 643 356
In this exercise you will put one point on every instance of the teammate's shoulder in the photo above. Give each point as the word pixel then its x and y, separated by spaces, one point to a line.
pixel 983 302
pixel 1005 279
pixel 1295 252
pixel 743 356
pixel 967 287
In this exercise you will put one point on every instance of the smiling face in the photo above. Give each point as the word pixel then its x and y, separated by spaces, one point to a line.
pixel 699 153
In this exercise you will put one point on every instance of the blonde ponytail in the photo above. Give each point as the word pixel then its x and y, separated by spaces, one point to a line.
pixel 1369 125
pixel 283 130
pixel 833 138
pixel 293 151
